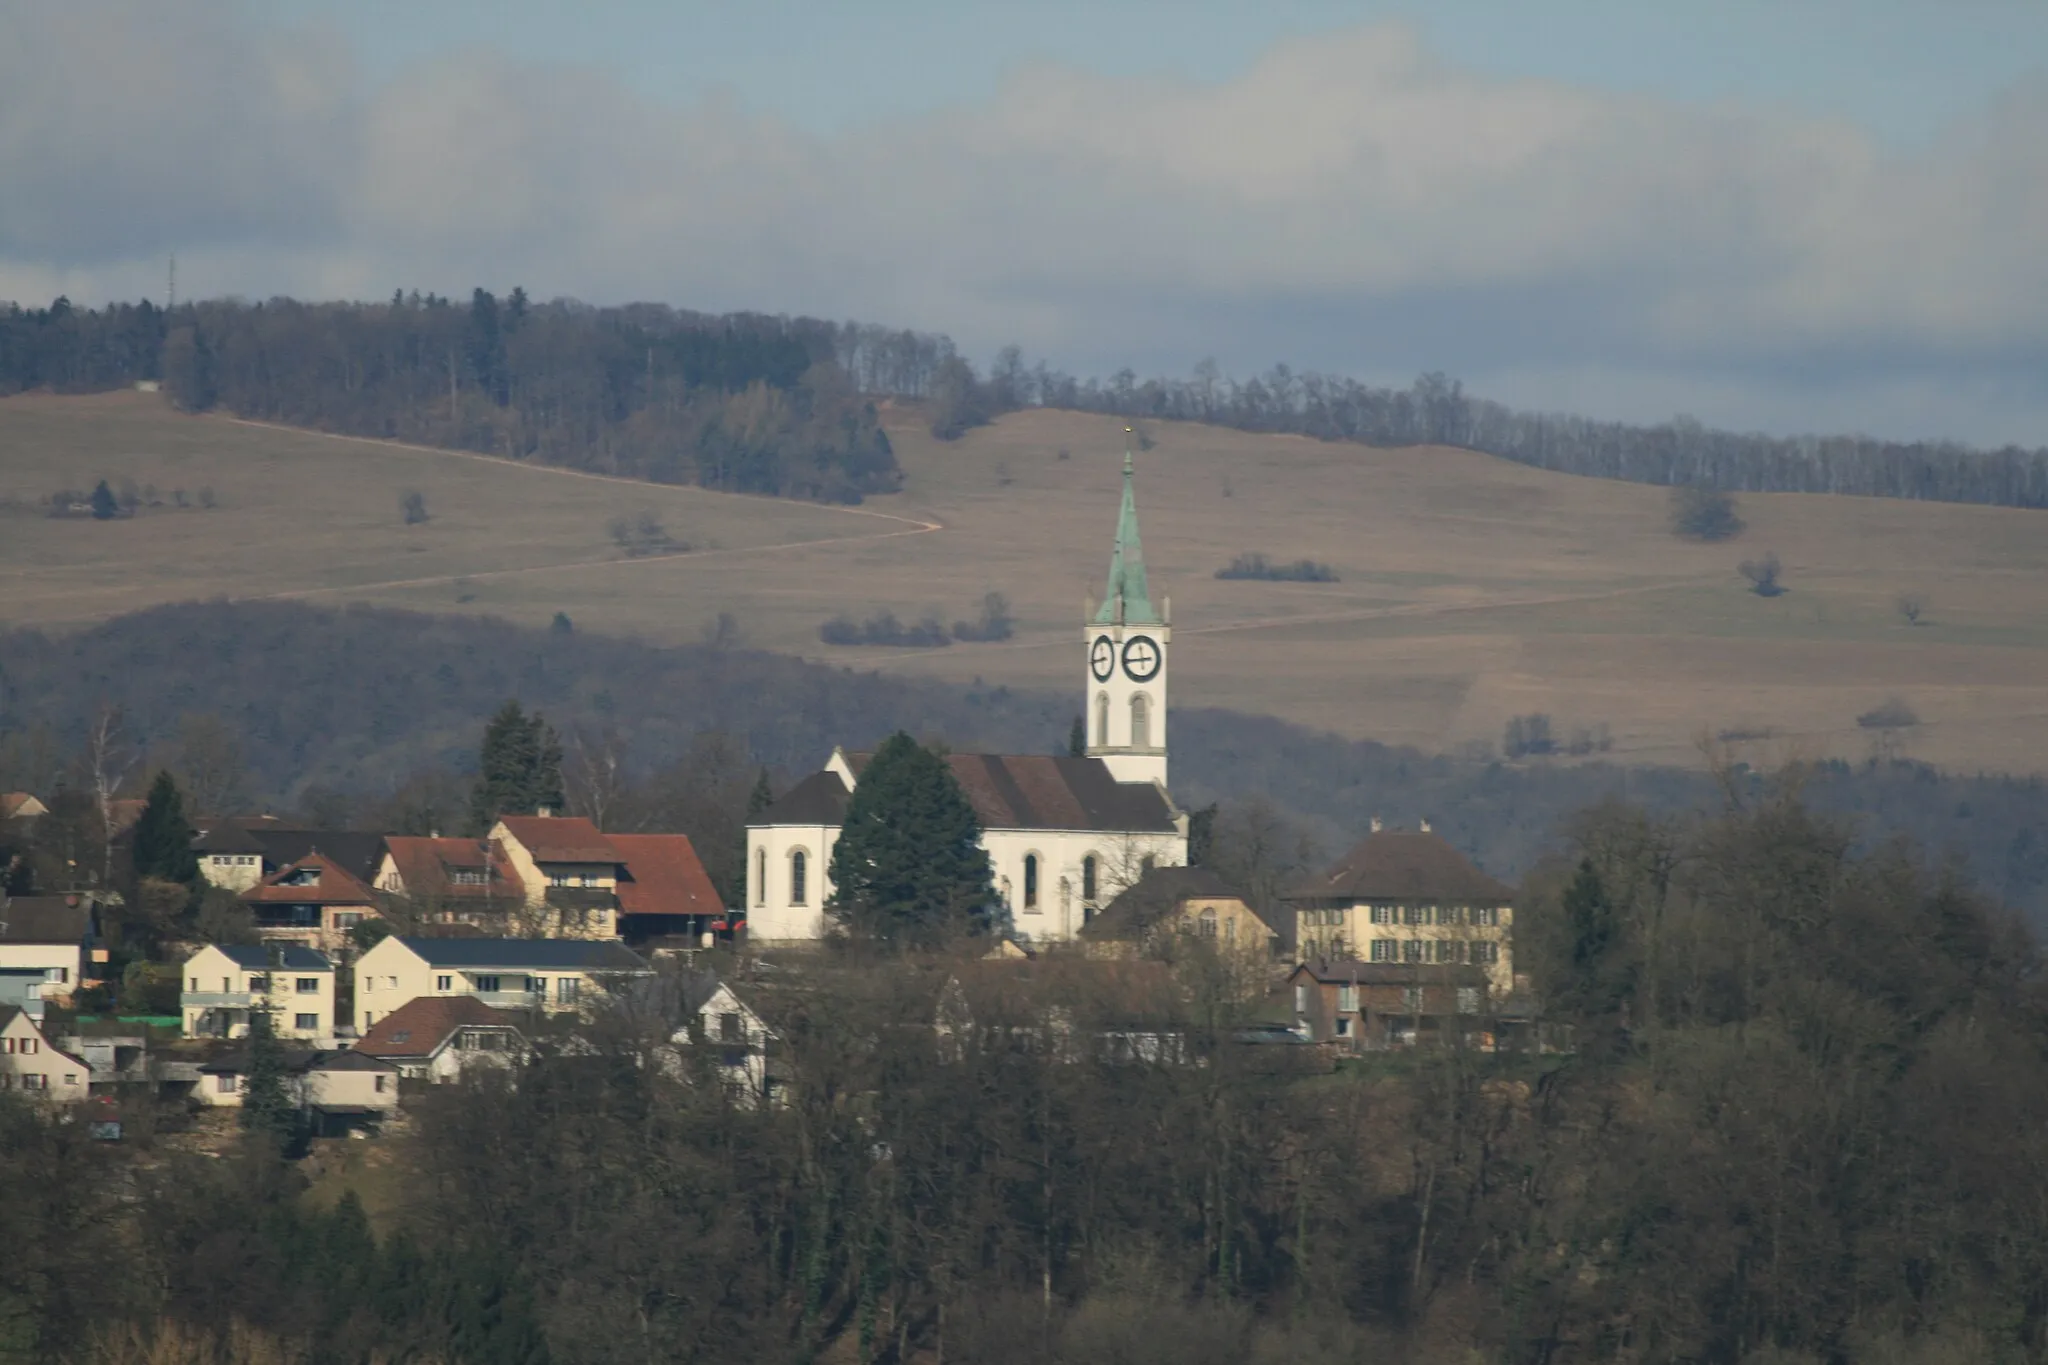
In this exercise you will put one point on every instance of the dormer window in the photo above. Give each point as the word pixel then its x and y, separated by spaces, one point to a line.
pixel 304 876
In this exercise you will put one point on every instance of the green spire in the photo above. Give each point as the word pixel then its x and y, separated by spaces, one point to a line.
pixel 1126 598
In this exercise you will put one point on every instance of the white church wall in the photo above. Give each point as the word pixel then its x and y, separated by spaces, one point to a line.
pixel 1062 908
pixel 774 914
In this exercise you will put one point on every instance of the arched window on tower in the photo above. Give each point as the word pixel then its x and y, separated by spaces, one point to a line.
pixel 1141 721
pixel 760 876
pixel 1102 719
pixel 1031 881
pixel 1088 879
pixel 799 877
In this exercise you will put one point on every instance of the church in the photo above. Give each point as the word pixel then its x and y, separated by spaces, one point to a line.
pixel 1063 835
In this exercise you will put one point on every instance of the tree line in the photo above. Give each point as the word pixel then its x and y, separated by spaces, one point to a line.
pixel 781 405
pixel 1802 1121
pixel 741 402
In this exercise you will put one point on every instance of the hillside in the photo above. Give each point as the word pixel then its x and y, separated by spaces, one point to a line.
pixel 1472 590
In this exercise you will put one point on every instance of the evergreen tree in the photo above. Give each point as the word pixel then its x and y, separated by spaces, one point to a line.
pixel 163 836
pixel 1201 835
pixel 519 771
pixel 909 866
pixel 267 1108
pixel 761 797
pixel 105 506
pixel 1077 739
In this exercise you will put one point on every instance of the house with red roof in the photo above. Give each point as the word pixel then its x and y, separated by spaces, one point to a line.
pixel 441 1037
pixel 581 883
pixel 453 881
pixel 312 902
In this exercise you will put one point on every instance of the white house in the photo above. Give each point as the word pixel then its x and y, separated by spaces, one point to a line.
pixel 552 974
pixel 1063 835
pixel 708 1021
pixel 49 947
pixel 225 982
pixel 439 1038
pixel 29 1064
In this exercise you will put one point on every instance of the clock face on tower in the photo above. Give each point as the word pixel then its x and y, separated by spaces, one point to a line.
pixel 1141 658
pixel 1102 658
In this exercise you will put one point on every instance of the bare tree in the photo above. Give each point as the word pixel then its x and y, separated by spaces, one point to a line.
pixel 595 775
pixel 109 757
pixel 1763 575
pixel 1911 606
pixel 209 764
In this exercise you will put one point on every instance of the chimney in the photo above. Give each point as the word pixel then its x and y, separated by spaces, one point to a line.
pixel 1425 826
pixel 1375 824
pixel 545 812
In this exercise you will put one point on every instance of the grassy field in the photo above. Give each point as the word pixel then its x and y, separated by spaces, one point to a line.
pixel 1472 589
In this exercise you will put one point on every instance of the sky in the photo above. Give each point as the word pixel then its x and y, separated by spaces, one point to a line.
pixel 1808 215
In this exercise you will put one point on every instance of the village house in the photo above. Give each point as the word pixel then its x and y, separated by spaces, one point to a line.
pixel 31 1066
pixel 50 947
pixel 348 1091
pixel 237 852
pixel 549 974
pixel 312 902
pixel 20 806
pixel 1406 897
pixel 707 1020
pixel 441 1037
pixel 569 870
pixel 1063 835
pixel 1179 903
pixel 1372 1006
pixel 225 983
pixel 451 881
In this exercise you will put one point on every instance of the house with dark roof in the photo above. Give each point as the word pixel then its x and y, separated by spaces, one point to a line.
pixel 1408 897
pixel 551 975
pixel 440 1037
pixel 238 851
pixel 50 946
pixel 1172 906
pixel 225 984
pixel 1063 834
pixel 1372 1006
pixel 313 901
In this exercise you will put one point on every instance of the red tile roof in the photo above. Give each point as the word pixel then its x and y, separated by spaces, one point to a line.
pixel 426 868
pixel 336 885
pixel 419 1026
pixel 17 803
pixel 560 838
pixel 663 877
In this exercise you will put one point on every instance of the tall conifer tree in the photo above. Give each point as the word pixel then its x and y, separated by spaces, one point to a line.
pixel 519 771
pixel 163 836
pixel 909 867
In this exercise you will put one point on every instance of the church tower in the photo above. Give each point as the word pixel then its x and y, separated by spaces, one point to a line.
pixel 1126 642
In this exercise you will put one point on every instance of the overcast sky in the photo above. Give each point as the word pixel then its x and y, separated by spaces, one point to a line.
pixel 1793 216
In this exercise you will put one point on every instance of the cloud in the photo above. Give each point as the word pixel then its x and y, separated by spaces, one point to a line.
pixel 1349 201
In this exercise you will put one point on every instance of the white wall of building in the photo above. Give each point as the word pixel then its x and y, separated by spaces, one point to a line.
pixel 1132 751
pixel 1062 875
pixel 774 914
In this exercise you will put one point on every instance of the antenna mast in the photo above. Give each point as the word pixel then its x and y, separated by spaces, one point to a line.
pixel 171 291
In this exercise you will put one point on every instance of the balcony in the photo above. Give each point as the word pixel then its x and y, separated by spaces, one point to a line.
pixel 217 1000
pixel 510 1000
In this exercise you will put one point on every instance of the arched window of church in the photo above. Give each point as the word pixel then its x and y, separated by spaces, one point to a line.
pixel 1141 721
pixel 760 876
pixel 1088 878
pixel 1102 719
pixel 1031 881
pixel 1208 923
pixel 799 877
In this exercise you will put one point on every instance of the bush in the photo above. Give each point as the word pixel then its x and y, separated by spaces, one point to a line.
pixel 996 623
pixel 645 535
pixel 1704 514
pixel 884 629
pixel 1528 735
pixel 1763 575
pixel 1251 565
pixel 412 505
pixel 1895 714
